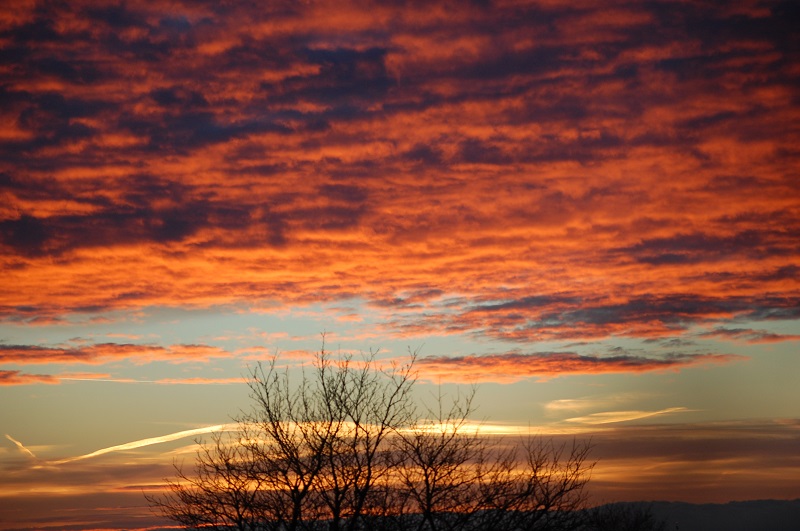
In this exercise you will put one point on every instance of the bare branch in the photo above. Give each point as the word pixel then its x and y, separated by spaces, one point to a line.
pixel 344 447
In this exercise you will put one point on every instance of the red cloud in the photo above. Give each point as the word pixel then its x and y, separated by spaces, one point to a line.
pixel 21 378
pixel 411 156
pixel 512 367
pixel 103 352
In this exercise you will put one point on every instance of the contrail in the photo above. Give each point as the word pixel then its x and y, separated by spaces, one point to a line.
pixel 20 446
pixel 144 442
pixel 610 417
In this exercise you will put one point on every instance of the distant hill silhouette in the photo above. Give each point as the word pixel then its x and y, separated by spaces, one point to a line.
pixel 758 515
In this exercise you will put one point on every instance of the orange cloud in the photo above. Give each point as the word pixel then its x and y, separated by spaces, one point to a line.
pixel 512 367
pixel 415 158
pixel 104 352
pixel 21 378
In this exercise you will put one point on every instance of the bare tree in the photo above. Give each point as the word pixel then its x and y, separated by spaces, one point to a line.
pixel 344 448
pixel 363 407
pixel 308 452
pixel 548 490
pixel 439 462
pixel 222 494
pixel 454 478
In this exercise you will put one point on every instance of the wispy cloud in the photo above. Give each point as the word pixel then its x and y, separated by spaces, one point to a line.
pixel 748 335
pixel 197 380
pixel 144 442
pixel 21 378
pixel 590 402
pixel 610 417
pixel 511 367
pixel 104 352
pixel 20 446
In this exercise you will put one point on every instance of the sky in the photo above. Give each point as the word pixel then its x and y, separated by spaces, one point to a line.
pixel 589 209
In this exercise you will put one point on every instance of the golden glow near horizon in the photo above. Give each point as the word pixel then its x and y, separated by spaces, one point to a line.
pixel 590 213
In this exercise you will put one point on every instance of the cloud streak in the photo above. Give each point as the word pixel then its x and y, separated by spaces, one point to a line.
pixel 20 446
pixel 750 336
pixel 21 378
pixel 612 417
pixel 104 352
pixel 143 442
pixel 513 366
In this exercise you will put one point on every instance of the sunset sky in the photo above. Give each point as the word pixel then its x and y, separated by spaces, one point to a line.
pixel 591 209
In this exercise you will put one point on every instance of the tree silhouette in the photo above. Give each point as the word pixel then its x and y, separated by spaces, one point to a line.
pixel 454 478
pixel 346 448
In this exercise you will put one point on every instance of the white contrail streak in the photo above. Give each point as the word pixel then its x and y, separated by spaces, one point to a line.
pixel 609 417
pixel 146 442
pixel 20 446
